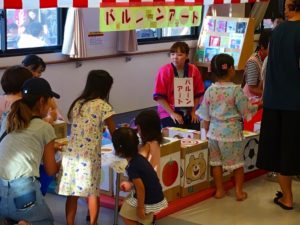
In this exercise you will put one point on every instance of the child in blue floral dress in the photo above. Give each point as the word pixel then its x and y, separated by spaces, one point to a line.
pixel 222 109
pixel 81 162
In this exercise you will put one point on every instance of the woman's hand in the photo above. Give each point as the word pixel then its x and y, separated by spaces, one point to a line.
pixel 177 118
pixel 141 212
pixel 126 186
pixel 194 118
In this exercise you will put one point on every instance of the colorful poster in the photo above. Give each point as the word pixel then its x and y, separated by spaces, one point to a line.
pixel 210 53
pixel 235 43
pixel 231 26
pixel 221 26
pixel 214 41
pixel 224 42
pixel 209 25
pixel 241 27
pixel 130 18
pixel 200 55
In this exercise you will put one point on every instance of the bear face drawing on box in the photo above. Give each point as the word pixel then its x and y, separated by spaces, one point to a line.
pixel 196 168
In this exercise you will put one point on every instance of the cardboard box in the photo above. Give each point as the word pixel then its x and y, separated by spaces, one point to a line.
pixel 106 182
pixel 175 132
pixel 194 165
pixel 60 128
pixel 170 168
pixel 250 146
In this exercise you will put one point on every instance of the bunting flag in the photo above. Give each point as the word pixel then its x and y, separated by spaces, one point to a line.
pixel 36 4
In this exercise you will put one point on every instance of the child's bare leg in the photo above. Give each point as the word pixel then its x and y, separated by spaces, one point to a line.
pixel 71 208
pixel 93 204
pixel 217 172
pixel 239 181
pixel 130 222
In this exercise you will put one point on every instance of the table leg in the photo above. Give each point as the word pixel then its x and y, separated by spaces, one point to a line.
pixel 116 210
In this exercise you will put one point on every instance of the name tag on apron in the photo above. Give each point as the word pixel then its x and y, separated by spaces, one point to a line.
pixel 183 92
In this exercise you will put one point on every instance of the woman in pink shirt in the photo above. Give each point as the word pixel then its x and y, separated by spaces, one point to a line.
pixel 179 67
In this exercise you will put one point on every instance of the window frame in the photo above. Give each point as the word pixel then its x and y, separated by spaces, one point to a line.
pixel 4 52
pixel 195 32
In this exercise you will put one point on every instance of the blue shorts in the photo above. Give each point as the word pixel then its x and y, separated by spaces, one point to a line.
pixel 21 199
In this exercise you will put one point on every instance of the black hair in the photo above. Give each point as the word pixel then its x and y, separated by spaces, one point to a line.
pixel 149 123
pixel 181 46
pixel 34 62
pixel 264 39
pixel 98 85
pixel 125 142
pixel 220 64
pixel 13 78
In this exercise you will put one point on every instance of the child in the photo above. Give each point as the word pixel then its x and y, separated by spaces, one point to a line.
pixel 28 140
pixel 149 129
pixel 148 197
pixel 222 109
pixel 11 82
pixel 81 163
pixel 37 66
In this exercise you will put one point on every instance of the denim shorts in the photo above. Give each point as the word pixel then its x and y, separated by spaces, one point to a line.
pixel 21 199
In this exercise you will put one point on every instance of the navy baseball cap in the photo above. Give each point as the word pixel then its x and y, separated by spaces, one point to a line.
pixel 38 86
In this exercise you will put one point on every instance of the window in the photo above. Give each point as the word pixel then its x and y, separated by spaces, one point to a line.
pixel 154 35
pixel 31 30
pixel 166 34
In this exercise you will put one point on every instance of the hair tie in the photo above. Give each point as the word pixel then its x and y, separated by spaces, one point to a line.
pixel 224 66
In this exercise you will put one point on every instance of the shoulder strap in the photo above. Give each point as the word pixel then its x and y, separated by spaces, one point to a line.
pixel 3 135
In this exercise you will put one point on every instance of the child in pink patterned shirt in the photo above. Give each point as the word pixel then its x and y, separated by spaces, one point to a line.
pixel 222 109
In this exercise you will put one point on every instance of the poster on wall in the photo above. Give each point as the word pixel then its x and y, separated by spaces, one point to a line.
pixel 221 35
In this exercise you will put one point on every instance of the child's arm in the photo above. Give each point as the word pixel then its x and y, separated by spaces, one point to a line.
pixel 154 156
pixel 110 125
pixel 140 194
pixel 51 166
pixel 206 125
pixel 244 106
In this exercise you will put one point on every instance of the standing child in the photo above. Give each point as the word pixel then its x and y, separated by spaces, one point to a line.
pixel 81 162
pixel 37 66
pixel 28 141
pixel 148 197
pixel 223 107
pixel 149 129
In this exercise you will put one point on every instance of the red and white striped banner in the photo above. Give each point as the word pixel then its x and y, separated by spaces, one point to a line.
pixel 36 4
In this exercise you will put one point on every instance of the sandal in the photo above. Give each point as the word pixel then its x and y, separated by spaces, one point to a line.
pixel 279 195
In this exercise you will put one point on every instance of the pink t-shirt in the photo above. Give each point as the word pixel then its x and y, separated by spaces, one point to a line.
pixel 164 86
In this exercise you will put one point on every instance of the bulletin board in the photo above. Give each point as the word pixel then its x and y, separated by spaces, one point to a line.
pixel 233 36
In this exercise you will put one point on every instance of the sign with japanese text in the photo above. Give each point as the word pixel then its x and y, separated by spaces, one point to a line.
pixel 183 92
pixel 130 18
